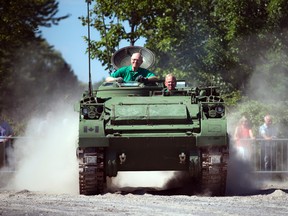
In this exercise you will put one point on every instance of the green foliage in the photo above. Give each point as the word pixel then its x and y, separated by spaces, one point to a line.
pixel 19 26
pixel 232 98
pixel 17 127
pixel 32 75
pixel 109 18
pixel 38 80
pixel 175 31
pixel 239 45
pixel 226 38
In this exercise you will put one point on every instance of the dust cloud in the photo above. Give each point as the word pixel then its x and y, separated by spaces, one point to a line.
pixel 44 158
pixel 266 85
pixel 143 179
pixel 240 177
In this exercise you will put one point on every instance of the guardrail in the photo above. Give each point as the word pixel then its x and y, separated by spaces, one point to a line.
pixel 265 156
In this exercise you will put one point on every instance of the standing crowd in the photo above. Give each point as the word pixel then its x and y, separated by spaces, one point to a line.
pixel 244 137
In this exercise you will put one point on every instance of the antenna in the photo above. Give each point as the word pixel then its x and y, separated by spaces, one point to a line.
pixel 89 60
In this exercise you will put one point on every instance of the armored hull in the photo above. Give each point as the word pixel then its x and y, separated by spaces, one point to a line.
pixel 137 127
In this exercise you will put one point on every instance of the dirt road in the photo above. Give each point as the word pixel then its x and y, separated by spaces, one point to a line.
pixel 46 183
pixel 270 202
pixel 243 198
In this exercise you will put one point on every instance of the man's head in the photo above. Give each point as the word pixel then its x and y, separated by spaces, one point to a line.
pixel 268 120
pixel 170 82
pixel 136 61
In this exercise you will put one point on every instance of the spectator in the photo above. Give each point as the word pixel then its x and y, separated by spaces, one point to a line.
pixel 6 133
pixel 170 82
pixel 242 134
pixel 133 72
pixel 267 131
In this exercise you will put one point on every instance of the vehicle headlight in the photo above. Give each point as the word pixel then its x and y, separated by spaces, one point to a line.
pixel 92 111
pixel 85 111
pixel 220 109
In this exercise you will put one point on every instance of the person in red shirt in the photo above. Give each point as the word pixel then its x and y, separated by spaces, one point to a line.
pixel 242 136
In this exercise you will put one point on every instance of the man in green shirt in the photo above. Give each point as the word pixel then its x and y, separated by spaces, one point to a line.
pixel 133 72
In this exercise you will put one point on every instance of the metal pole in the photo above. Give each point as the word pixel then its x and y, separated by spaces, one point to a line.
pixel 89 60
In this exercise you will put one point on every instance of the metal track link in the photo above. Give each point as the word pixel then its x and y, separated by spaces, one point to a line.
pixel 92 178
pixel 213 182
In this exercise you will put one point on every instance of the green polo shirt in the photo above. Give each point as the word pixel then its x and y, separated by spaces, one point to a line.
pixel 129 75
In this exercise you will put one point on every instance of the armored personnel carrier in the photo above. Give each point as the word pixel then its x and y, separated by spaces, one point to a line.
pixel 139 127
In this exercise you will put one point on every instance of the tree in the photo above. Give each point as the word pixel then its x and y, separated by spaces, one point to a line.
pixel 168 26
pixel 198 40
pixel 111 18
pixel 39 79
pixel 18 26
pixel 32 74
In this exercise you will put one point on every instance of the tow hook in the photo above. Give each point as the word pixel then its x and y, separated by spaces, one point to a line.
pixel 182 158
pixel 122 158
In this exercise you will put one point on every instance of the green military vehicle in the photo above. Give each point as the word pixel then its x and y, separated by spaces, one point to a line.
pixel 139 127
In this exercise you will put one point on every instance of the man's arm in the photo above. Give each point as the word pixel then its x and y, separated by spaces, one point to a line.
pixel 110 79
pixel 117 76
pixel 153 78
pixel 262 132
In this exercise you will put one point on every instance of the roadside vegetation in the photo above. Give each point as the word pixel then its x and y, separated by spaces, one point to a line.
pixel 240 46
